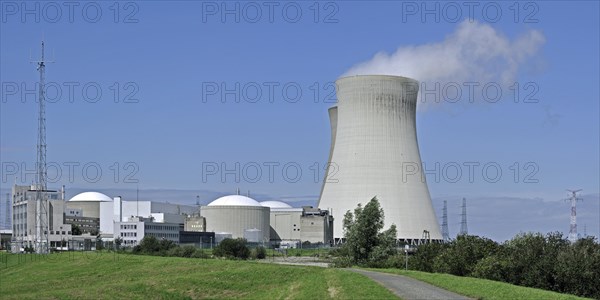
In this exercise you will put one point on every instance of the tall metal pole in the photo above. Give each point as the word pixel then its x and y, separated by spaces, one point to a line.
pixel 41 219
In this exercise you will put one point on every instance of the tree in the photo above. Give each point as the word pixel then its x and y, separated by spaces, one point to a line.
pixel 532 258
pixel 425 255
pixel 118 243
pixel 149 245
pixel 462 254
pixel 99 243
pixel 365 244
pixel 75 230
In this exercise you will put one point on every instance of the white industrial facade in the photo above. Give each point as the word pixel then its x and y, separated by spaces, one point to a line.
pixel 23 218
pixel 374 153
pixel 135 229
pixel 304 224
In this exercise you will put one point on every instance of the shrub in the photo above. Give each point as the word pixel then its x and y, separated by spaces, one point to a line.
pixel 493 267
pixel 175 252
pixel 199 253
pixel 187 251
pixel 463 254
pixel 422 259
pixel 232 248
pixel 259 253
pixel 342 262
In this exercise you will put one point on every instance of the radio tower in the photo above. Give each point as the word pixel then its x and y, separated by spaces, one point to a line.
pixel 463 222
pixel 573 228
pixel 445 232
pixel 41 209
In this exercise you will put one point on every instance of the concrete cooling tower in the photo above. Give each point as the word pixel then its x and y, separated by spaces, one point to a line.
pixel 374 152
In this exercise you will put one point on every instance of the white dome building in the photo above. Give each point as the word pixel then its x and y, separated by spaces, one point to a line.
pixel 240 216
pixel 91 211
pixel 275 204
pixel 91 197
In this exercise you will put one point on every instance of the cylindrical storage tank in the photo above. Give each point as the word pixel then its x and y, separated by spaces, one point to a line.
pixel 235 214
pixel 253 235
pixel 374 153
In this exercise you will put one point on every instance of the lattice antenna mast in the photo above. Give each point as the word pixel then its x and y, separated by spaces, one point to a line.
pixel 41 218
pixel 445 232
pixel 573 226
pixel 463 223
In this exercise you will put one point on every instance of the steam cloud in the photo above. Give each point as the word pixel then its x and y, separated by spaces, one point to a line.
pixel 474 52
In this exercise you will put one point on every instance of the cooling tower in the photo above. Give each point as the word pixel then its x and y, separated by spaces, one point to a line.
pixel 374 152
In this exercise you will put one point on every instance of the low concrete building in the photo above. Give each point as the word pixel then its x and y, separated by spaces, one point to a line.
pixel 195 223
pixel 299 224
pixel 136 228
pixel 197 238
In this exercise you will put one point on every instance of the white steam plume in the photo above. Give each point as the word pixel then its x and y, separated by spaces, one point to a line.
pixel 474 52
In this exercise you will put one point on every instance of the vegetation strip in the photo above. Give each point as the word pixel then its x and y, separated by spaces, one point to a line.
pixel 479 288
pixel 106 275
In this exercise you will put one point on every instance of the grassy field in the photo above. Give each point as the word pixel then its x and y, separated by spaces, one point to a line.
pixel 480 288
pixel 105 275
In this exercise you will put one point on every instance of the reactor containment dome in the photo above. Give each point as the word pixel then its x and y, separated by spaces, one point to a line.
pixel 238 216
pixel 374 153
pixel 91 197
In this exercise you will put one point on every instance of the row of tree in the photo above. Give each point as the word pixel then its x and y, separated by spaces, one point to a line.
pixel 228 248
pixel 535 260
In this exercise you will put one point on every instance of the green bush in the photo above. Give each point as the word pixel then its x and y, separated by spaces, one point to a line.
pixel 175 252
pixel 422 259
pixel 259 252
pixel 199 253
pixel 462 254
pixel 342 262
pixel 187 251
pixel 493 267
pixel 232 248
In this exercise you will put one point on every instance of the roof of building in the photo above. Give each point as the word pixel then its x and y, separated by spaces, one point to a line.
pixel 234 200
pixel 91 197
pixel 275 204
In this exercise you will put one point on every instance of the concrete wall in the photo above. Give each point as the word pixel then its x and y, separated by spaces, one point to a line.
pixel 317 229
pixel 285 224
pixel 91 209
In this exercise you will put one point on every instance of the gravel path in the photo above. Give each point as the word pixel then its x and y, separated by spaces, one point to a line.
pixel 408 288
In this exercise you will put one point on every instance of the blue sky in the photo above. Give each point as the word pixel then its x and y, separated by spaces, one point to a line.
pixel 177 127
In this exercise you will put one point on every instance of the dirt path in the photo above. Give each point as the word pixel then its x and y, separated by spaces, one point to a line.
pixel 408 288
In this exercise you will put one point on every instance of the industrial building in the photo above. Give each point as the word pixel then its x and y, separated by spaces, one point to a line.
pixel 233 216
pixel 375 153
pixel 237 216
pixel 92 212
pixel 24 221
pixel 303 224
pixel 135 229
